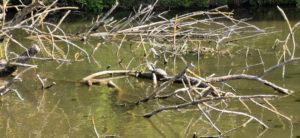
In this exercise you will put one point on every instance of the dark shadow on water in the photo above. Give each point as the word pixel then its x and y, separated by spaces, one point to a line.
pixel 267 13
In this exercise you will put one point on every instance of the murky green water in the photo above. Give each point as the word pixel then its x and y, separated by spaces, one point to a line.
pixel 67 109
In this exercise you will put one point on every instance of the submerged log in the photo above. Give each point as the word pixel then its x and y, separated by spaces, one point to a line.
pixel 10 67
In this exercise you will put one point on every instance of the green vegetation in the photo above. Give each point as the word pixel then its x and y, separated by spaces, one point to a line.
pixel 273 2
pixel 96 6
pixel 99 5
pixel 89 5
pixel 298 4
pixel 184 3
pixel 177 3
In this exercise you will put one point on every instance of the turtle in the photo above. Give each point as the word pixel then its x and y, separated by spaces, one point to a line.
pixel 7 69
pixel 160 73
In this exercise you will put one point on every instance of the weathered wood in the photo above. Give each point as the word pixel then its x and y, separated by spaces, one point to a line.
pixel 249 77
pixel 186 79
pixel 22 14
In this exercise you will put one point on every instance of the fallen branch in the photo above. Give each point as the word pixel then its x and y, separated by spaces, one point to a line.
pixel 249 77
pixel 195 102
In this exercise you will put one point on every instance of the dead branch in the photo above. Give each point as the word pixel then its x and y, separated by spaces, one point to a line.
pixel 101 22
pixel 22 14
pixel 238 113
pixel 249 77
pixel 164 85
pixel 203 26
pixel 195 102
pixel 272 68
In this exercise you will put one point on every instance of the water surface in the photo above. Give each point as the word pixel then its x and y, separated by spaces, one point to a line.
pixel 68 108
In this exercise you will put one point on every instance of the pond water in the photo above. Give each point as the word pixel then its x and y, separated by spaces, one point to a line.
pixel 69 108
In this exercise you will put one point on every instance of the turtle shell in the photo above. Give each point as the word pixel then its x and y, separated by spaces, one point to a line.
pixel 160 73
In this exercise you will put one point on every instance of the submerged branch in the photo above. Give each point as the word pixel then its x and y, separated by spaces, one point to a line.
pixel 195 102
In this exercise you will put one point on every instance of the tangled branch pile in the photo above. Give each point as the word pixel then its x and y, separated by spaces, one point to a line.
pixel 175 35
pixel 31 19
pixel 161 39
pixel 172 37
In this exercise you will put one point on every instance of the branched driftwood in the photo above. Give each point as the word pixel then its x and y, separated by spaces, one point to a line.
pixel 203 31
pixel 288 52
pixel 157 35
pixel 30 19
pixel 91 79
pixel 171 37
pixel 29 23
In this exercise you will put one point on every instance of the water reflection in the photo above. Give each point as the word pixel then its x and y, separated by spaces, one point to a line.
pixel 66 110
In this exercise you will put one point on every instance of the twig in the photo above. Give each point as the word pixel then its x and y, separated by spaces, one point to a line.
pixel 272 68
pixel 95 129
pixel 290 29
pixel 41 81
pixel 209 119
pixel 238 113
